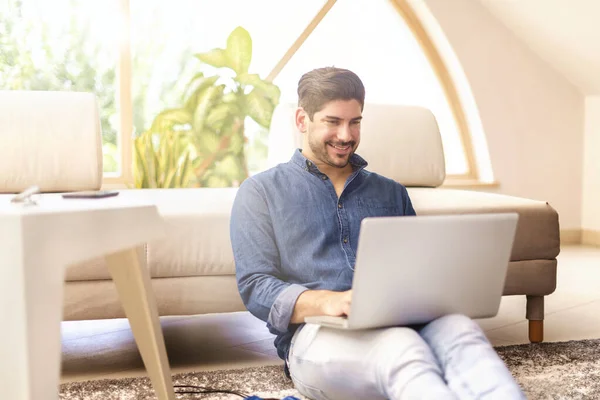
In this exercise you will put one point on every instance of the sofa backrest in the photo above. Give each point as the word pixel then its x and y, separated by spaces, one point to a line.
pixel 49 139
pixel 398 141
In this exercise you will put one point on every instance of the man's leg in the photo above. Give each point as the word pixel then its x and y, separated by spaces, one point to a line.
pixel 471 366
pixel 393 363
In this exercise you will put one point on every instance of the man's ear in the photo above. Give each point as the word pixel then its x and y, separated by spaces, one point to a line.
pixel 301 120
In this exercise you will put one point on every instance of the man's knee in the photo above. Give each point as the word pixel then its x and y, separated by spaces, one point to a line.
pixel 458 323
pixel 454 327
pixel 401 335
pixel 403 342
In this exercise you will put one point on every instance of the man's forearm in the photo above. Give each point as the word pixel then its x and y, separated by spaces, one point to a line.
pixel 320 302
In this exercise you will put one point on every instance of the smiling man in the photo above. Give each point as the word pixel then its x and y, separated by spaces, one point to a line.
pixel 294 232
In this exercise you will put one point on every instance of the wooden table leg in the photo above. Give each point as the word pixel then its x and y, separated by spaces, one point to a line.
pixel 137 297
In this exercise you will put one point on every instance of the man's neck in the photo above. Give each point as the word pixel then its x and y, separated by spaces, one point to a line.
pixel 335 174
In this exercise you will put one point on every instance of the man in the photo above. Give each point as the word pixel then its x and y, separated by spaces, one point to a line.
pixel 294 233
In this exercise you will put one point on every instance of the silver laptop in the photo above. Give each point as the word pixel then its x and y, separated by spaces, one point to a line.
pixel 412 270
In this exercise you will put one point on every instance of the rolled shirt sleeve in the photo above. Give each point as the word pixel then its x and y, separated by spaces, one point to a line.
pixel 283 307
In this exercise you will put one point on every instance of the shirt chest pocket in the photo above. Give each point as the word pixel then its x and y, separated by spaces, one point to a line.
pixel 373 207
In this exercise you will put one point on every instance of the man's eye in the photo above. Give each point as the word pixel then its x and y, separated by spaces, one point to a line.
pixel 356 122
pixel 331 122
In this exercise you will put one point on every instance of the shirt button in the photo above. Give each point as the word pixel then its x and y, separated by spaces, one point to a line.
pixel 324 177
pixel 345 240
pixel 339 205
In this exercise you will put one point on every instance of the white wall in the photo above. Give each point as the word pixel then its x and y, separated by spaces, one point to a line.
pixel 531 115
pixel 591 165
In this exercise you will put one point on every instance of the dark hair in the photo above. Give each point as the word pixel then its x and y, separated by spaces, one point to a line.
pixel 322 85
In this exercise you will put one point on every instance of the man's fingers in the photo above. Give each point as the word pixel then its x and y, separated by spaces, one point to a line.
pixel 346 308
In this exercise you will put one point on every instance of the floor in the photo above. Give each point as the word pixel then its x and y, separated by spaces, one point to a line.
pixel 106 348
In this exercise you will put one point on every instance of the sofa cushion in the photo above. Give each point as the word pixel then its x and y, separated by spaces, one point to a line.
pixel 197 242
pixel 175 296
pixel 96 269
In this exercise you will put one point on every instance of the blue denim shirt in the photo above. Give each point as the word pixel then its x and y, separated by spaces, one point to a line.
pixel 290 233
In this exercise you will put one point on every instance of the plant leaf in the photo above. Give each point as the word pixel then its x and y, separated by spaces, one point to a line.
pixel 141 172
pixel 170 159
pixel 239 50
pixel 185 168
pixel 216 57
pixel 169 118
pixel 207 142
pixel 259 108
pixel 155 167
pixel 176 142
pixel 236 145
pixel 170 178
pixel 205 103
pixel 201 86
pixel 191 84
pixel 248 79
pixel 197 161
pixel 269 89
pixel 221 114
pixel 227 167
pixel 231 97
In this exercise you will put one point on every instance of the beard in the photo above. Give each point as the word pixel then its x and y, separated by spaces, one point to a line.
pixel 339 159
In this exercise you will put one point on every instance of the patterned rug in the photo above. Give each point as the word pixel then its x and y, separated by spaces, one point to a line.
pixel 563 370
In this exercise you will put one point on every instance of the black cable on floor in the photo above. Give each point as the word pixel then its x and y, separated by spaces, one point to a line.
pixel 200 390
pixel 205 390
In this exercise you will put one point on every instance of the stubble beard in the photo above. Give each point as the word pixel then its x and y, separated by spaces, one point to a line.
pixel 320 150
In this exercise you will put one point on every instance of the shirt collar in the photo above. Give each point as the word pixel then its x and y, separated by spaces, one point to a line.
pixel 299 159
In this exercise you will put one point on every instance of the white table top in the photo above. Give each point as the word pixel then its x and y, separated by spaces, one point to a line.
pixel 55 203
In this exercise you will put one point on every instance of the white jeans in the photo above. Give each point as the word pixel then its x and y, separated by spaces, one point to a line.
pixel 449 358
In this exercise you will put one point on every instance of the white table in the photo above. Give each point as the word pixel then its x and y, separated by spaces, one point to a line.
pixel 37 243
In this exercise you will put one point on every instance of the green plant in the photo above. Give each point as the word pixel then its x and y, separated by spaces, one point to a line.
pixel 162 160
pixel 208 130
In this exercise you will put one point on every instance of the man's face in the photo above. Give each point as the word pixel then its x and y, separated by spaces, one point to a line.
pixel 334 133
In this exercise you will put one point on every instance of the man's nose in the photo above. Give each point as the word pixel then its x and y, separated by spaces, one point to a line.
pixel 344 133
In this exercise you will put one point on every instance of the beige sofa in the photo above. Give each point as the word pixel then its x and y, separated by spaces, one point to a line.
pixel 53 140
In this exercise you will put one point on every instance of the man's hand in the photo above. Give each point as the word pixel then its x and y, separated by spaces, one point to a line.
pixel 337 303
pixel 321 302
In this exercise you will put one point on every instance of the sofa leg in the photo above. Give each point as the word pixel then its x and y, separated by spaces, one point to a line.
pixel 535 315
pixel 536 331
